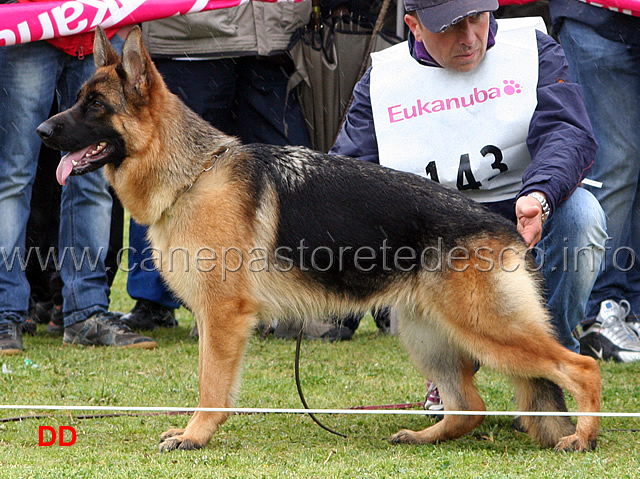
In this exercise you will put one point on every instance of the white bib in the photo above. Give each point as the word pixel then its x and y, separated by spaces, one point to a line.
pixel 465 130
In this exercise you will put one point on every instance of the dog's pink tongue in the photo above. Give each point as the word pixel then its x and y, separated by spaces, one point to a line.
pixel 66 165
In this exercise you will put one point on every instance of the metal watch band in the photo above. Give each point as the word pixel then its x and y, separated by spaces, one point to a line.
pixel 546 210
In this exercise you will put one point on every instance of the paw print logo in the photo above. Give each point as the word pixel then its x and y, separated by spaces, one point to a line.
pixel 511 87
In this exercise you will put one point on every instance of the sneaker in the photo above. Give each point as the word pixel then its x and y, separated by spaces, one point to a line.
pixel 105 329
pixel 38 314
pixel 634 325
pixel 10 337
pixel 633 321
pixel 610 337
pixel 287 329
pixel 325 331
pixel 56 323
pixel 432 398
pixel 30 326
pixel 147 315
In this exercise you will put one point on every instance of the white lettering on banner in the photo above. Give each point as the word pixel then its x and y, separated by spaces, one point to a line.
pixel 198 5
pixel 66 14
pixel 25 33
pixel 117 14
pixel 101 10
pixel 25 22
pixel 7 37
pixel 69 18
pixel 47 27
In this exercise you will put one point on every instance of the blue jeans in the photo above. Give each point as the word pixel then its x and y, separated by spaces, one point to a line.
pixel 569 256
pixel 30 75
pixel 246 97
pixel 143 280
pixel 609 73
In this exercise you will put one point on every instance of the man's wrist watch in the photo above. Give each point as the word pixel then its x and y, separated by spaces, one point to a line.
pixel 546 209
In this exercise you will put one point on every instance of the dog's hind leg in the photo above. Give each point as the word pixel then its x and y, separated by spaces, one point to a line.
pixel 512 334
pixel 452 372
pixel 580 376
pixel 539 394
pixel 223 336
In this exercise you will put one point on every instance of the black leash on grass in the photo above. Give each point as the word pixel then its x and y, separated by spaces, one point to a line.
pixel 299 386
pixel 315 419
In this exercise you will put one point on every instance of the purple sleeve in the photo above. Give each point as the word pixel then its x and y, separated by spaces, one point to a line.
pixel 357 137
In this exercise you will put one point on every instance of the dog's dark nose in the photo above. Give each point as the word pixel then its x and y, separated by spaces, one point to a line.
pixel 47 129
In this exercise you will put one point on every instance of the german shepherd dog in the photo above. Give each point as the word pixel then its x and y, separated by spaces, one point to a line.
pixel 249 232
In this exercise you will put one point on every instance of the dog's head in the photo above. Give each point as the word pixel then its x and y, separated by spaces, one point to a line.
pixel 101 127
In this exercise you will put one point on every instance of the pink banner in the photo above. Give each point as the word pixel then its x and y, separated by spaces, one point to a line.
pixel 25 22
pixel 629 7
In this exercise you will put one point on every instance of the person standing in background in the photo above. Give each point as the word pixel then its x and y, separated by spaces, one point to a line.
pixel 602 47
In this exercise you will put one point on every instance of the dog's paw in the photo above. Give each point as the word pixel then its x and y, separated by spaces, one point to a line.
pixel 171 433
pixel 576 443
pixel 405 436
pixel 177 442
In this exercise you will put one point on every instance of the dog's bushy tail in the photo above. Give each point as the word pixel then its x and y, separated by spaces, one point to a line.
pixel 539 394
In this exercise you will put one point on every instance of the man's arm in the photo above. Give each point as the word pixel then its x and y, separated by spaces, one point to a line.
pixel 357 137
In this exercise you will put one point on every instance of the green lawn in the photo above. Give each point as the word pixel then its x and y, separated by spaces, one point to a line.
pixel 371 369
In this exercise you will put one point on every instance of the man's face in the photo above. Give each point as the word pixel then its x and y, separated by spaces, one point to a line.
pixel 460 47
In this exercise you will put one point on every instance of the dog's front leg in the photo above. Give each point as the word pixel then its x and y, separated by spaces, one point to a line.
pixel 223 337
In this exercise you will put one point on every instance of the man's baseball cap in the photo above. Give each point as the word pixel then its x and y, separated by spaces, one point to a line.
pixel 438 15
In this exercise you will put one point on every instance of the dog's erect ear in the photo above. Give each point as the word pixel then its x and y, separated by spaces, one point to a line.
pixel 136 61
pixel 103 52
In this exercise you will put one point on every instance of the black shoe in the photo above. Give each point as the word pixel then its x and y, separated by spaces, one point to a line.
pixel 30 326
pixel 10 337
pixel 327 331
pixel 40 311
pixel 105 329
pixel 337 333
pixel 147 315
pixel 56 323
pixel 312 329
pixel 382 318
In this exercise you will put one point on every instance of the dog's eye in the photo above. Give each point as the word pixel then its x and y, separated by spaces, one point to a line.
pixel 94 103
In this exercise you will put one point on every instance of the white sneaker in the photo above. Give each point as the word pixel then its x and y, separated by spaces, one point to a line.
pixel 611 337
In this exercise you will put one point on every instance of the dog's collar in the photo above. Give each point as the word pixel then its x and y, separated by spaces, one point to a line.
pixel 207 166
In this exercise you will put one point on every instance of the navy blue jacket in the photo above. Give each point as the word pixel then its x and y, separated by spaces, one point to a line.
pixel 560 140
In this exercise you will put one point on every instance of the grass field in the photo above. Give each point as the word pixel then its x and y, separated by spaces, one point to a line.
pixel 371 369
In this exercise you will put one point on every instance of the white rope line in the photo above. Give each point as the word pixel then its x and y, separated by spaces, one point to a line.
pixel 249 410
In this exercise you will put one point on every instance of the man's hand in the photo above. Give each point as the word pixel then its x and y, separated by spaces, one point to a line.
pixel 529 215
